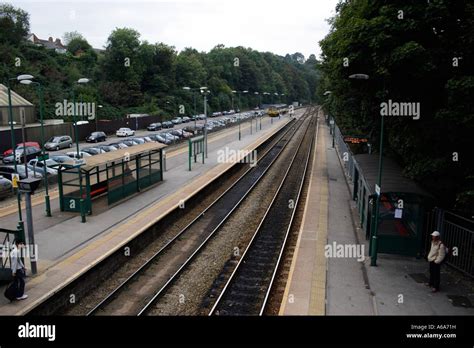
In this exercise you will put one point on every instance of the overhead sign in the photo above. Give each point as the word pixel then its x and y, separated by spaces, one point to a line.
pixel 355 139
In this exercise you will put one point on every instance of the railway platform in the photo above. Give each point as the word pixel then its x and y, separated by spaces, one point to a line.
pixel 67 248
pixel 320 285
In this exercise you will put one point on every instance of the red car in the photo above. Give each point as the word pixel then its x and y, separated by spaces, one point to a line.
pixel 28 143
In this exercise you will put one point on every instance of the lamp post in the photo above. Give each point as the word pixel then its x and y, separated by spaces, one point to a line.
pixel 20 226
pixel 81 81
pixel 205 92
pixel 238 103
pixel 39 90
pixel 97 118
pixel 194 102
pixel 378 188
pixel 328 95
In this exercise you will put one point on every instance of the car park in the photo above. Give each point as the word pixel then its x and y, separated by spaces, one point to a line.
pixel 177 120
pixel 169 136
pixel 125 132
pixel 96 137
pixel 186 119
pixel 167 124
pixel 154 126
pixel 30 151
pixel 57 143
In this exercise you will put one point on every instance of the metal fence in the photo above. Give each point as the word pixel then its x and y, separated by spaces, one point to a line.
pixel 344 152
pixel 457 233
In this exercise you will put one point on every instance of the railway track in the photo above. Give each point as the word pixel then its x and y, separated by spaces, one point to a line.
pixel 248 288
pixel 136 294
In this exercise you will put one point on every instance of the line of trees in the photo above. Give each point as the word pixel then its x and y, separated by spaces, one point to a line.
pixel 135 76
pixel 413 51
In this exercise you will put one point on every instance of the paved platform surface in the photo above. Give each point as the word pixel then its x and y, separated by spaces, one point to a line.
pixel 67 247
pixel 321 285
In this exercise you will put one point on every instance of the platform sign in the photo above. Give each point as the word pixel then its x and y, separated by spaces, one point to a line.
pixel 355 139
pixel 15 179
pixel 331 122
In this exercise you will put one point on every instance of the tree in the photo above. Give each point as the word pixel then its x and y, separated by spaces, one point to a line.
pixel 14 24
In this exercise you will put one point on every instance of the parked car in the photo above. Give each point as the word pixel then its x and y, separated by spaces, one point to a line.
pixel 93 151
pixel 119 145
pixel 177 120
pixel 167 124
pixel 8 171
pixel 61 159
pixel 169 136
pixel 129 142
pixel 186 119
pixel 108 148
pixel 31 152
pixel 51 165
pixel 138 140
pixel 147 139
pixel 58 142
pixel 161 139
pixel 154 126
pixel 21 145
pixel 125 132
pixel 5 187
pixel 82 154
pixel 181 133
pixel 96 137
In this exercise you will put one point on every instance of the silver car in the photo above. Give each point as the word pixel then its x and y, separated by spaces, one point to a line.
pixel 58 142
pixel 5 187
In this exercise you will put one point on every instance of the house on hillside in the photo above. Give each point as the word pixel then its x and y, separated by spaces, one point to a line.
pixel 49 44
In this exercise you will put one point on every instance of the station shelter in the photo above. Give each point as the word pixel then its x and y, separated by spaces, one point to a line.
pixel 115 174
pixel 402 210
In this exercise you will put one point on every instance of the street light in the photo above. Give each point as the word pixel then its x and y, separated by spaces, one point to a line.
pixel 39 90
pixel 378 188
pixel 97 118
pixel 240 117
pixel 205 92
pixel 194 102
pixel 20 226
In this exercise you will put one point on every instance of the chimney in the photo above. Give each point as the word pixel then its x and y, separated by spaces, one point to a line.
pixel 58 42
pixel 50 39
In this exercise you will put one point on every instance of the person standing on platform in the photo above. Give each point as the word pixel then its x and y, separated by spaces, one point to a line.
pixel 18 269
pixel 435 258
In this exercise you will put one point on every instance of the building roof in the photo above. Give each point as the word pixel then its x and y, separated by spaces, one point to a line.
pixel 392 175
pixel 17 100
pixel 115 156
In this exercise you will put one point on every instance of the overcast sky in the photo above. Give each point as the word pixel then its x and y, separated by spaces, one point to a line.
pixel 278 26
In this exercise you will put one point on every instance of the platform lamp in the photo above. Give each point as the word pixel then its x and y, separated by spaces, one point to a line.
pixel 205 91
pixel 19 78
pixel 240 117
pixel 378 187
pixel 39 90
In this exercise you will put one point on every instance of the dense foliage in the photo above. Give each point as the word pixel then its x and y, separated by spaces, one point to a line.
pixel 135 76
pixel 413 51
